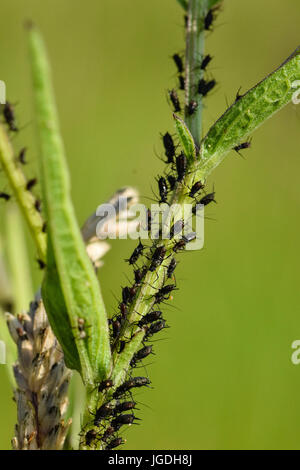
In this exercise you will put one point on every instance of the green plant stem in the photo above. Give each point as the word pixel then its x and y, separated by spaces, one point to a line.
pixel 154 280
pixel 197 10
pixel 18 260
pixel 24 198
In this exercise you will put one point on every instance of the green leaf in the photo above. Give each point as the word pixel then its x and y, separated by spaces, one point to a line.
pixel 249 112
pixel 183 3
pixel 57 312
pixel 18 262
pixel 185 137
pixel 70 289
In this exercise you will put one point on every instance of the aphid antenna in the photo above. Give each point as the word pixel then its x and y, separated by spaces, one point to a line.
pixel 149 340
pixel 238 96
pixel 158 156
pixel 14 135
pixel 174 135
pixel 114 295
pixel 241 155
pixel 150 198
pixel 143 366
pixel 143 404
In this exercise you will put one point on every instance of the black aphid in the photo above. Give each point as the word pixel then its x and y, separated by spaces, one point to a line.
pixel 209 19
pixel 181 165
pixel 21 156
pixel 105 385
pixel 171 181
pixel 91 436
pixel 139 275
pixel 109 431
pixel 178 61
pixel 38 205
pixel 208 198
pixel 121 420
pixel 204 87
pixel 170 149
pixel 157 258
pixel 242 146
pixel 196 188
pixel 103 412
pixel 175 101
pixel 9 116
pixel 136 253
pixel 206 60
pixel 118 441
pixel 155 328
pixel 116 327
pixel 123 309
pixel 181 82
pixel 191 107
pixel 31 183
pixel 171 268
pixel 41 263
pixel 135 382
pixel 4 196
pixel 163 189
pixel 150 317
pixel 124 406
pixel 163 293
pixel 140 355
pixel 126 295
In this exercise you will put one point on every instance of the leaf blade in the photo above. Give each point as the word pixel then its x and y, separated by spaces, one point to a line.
pixel 249 112
pixel 185 137
pixel 80 296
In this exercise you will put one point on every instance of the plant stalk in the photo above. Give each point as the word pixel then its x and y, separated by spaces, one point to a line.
pixel 25 199
pixel 197 10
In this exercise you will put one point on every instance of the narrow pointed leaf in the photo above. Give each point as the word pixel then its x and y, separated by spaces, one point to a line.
pixel 249 112
pixel 70 273
pixel 185 137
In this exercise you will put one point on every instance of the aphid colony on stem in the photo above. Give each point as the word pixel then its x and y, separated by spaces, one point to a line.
pixel 8 112
pixel 117 406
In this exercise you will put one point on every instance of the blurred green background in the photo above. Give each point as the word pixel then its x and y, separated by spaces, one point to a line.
pixel 223 377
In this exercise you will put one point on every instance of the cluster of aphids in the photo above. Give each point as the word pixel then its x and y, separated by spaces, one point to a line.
pixel 204 86
pixel 8 113
pixel 114 413
pixel 118 407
